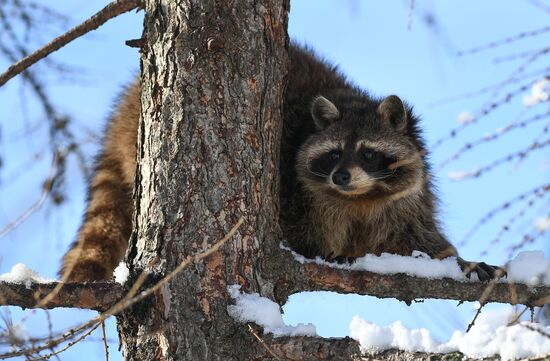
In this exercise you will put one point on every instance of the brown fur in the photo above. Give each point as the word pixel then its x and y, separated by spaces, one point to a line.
pixel 336 201
pixel 317 217
pixel 103 236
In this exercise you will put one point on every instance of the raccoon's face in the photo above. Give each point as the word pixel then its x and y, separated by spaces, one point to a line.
pixel 362 152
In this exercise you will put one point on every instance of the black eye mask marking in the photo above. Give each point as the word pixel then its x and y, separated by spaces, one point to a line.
pixel 372 161
pixel 323 165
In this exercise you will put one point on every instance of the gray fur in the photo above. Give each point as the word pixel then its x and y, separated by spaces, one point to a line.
pixel 388 204
pixel 323 112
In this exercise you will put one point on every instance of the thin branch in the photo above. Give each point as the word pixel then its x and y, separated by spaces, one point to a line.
pixel 86 295
pixel 270 351
pixel 516 317
pixel 110 11
pixel 469 146
pixel 472 323
pixel 489 88
pixel 507 226
pixel 46 190
pixel 502 207
pixel 67 346
pixel 484 111
pixel 520 36
pixel 536 329
pixel 519 155
pixel 104 336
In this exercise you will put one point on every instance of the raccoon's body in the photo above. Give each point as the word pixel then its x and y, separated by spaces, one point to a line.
pixel 354 174
pixel 330 129
pixel 354 177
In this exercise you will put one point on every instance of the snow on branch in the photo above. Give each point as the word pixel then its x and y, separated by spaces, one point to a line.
pixel 289 276
pixel 21 287
pixel 340 349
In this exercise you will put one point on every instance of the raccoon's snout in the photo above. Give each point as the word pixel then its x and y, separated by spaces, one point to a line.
pixel 341 177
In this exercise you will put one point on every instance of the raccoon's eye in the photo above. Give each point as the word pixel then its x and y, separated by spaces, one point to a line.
pixel 372 161
pixel 369 154
pixel 334 155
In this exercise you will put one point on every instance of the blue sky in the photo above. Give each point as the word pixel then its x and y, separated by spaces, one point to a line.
pixel 372 44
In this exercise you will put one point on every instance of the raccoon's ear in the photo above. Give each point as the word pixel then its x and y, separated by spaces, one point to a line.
pixel 323 112
pixel 393 111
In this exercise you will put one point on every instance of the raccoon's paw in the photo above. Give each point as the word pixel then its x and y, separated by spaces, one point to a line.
pixel 88 271
pixel 484 271
pixel 340 259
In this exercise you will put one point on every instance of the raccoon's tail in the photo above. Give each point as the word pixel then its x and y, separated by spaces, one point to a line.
pixel 103 236
pixel 107 225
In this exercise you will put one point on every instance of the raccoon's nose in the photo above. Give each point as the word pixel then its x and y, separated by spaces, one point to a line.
pixel 341 177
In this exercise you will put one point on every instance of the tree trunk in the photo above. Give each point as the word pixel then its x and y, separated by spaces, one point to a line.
pixel 212 89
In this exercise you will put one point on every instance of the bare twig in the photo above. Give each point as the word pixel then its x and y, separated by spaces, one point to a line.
pixel 521 154
pixel 504 206
pixel 485 110
pixel 410 14
pixel 104 333
pixel 129 299
pixel 469 146
pixel 46 189
pixel 507 226
pixel 65 348
pixel 536 329
pixel 535 73
pixel 110 11
pixel 255 334
pixel 520 36
pixel 471 324
pixel 516 318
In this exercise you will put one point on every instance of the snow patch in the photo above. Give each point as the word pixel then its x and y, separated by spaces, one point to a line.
pixel 530 267
pixel 540 92
pixel 121 273
pixel 489 336
pixel 373 338
pixel 22 274
pixel 419 264
pixel 464 117
pixel 542 223
pixel 460 175
pixel 265 313
pixel 16 333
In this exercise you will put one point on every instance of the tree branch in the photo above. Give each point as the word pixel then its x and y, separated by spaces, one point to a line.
pixel 341 349
pixel 288 276
pixel 110 11
pixel 98 296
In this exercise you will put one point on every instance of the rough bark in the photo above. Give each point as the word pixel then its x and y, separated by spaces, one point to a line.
pixel 98 296
pixel 212 77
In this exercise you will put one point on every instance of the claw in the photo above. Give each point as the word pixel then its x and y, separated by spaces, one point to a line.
pixel 484 271
pixel 343 259
pixel 339 259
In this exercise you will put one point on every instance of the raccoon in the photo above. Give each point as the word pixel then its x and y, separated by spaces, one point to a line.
pixel 354 177
pixel 354 172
